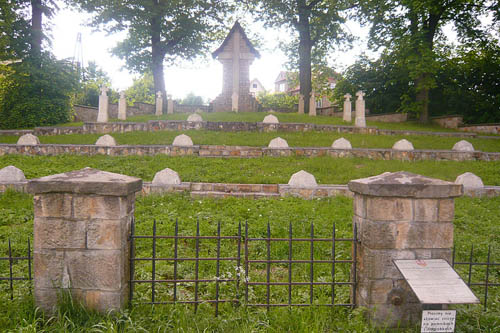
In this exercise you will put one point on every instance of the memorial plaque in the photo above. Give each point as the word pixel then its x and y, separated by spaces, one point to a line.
pixel 438 321
pixel 434 281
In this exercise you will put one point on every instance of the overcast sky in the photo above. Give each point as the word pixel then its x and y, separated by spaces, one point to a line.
pixel 203 77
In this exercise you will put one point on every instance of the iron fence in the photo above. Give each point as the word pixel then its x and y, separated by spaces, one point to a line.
pixel 12 262
pixel 478 268
pixel 489 270
pixel 248 266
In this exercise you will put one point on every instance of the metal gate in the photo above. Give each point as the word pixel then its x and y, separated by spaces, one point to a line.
pixel 248 267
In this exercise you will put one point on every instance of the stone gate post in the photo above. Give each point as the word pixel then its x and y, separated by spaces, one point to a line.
pixel 399 216
pixel 81 237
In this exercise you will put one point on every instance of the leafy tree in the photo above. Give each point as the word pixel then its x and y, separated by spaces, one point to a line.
pixel 14 30
pixel 316 27
pixel 411 28
pixel 36 92
pixel 142 90
pixel 192 99
pixel 277 100
pixel 468 83
pixel 90 86
pixel 158 31
pixel 383 80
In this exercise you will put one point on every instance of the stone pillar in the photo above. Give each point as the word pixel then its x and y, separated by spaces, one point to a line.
pixel 122 107
pixel 398 216
pixel 81 237
pixel 301 104
pixel 360 120
pixel 103 115
pixel 312 105
pixel 159 103
pixel 170 105
pixel 347 108
pixel 234 102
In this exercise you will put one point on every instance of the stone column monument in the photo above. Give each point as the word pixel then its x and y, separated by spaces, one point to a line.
pixel 170 105
pixel 159 103
pixel 236 55
pixel 81 237
pixel 301 104
pixel 103 115
pixel 312 105
pixel 347 108
pixel 122 107
pixel 399 215
pixel 360 120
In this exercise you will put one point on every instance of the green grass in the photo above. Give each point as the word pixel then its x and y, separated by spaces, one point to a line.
pixel 266 170
pixel 475 223
pixel 289 118
pixel 294 139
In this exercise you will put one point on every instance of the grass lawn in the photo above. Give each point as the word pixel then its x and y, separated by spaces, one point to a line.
pixel 476 222
pixel 294 139
pixel 266 170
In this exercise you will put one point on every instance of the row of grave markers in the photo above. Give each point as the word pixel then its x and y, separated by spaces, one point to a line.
pixel 103 112
pixel 359 121
pixel 167 176
pixel 184 140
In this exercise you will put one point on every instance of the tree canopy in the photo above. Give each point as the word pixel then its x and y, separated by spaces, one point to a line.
pixel 316 27
pixel 409 29
pixel 159 31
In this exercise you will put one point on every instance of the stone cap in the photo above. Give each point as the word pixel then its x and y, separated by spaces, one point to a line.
pixel 405 184
pixel 86 181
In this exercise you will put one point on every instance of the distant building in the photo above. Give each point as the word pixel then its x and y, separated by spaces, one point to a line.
pixel 282 85
pixel 256 87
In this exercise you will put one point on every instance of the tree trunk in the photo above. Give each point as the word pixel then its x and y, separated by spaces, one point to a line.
pixel 36 27
pixel 305 46
pixel 158 54
pixel 422 97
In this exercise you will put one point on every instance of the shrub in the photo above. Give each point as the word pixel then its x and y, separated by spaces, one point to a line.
pixel 36 92
pixel 277 100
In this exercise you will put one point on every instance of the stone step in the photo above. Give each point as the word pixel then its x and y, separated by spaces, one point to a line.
pixel 215 194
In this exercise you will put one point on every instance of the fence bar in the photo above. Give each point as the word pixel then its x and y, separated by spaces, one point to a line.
pixel 246 262
pixel 176 241
pixel 29 262
pixel 453 258
pixel 186 237
pixel 470 263
pixel 487 279
pixel 354 264
pixel 308 283
pixel 197 263
pixel 301 239
pixel 333 264
pixel 217 272
pixel 132 263
pixel 290 232
pixel 311 268
pixel 10 273
pixel 238 263
pixel 153 273
pixel 268 267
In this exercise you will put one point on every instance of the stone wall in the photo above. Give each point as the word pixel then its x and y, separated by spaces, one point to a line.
pixel 481 128
pixel 453 121
pixel 89 113
pixel 180 108
pixel 258 190
pixel 388 117
pixel 247 152
pixel 181 125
